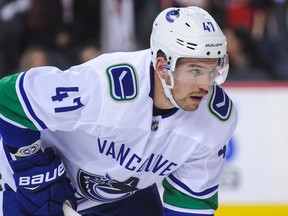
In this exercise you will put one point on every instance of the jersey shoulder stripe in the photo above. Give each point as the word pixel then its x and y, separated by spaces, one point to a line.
pixel 27 103
pixel 175 200
pixel 176 183
pixel 10 105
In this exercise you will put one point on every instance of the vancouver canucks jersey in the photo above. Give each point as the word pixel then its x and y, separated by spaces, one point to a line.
pixel 98 116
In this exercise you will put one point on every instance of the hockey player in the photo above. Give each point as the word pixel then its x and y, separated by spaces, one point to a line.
pixel 121 123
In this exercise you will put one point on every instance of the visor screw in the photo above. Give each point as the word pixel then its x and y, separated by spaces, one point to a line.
pixel 208 53
pixel 219 52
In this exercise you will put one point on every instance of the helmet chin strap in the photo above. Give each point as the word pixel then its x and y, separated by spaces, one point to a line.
pixel 167 88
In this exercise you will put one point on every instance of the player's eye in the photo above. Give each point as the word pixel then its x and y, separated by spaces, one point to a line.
pixel 196 71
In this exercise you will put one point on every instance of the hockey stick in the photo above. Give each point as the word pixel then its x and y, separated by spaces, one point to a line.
pixel 68 211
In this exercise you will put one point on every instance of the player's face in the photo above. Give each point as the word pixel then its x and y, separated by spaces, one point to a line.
pixel 192 81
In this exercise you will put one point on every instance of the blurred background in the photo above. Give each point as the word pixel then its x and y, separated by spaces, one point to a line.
pixel 63 33
pixel 68 32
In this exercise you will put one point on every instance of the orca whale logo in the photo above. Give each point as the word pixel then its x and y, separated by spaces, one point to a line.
pixel 104 188
pixel 172 15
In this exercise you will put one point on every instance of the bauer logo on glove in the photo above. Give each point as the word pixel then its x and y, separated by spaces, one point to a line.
pixel 34 182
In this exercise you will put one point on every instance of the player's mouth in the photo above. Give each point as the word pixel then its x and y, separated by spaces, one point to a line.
pixel 196 99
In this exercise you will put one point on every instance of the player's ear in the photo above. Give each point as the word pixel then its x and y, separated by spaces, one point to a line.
pixel 159 67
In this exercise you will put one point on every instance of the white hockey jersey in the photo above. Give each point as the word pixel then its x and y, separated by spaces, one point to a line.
pixel 98 116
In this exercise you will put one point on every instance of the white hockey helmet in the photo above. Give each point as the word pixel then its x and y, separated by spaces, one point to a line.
pixel 189 32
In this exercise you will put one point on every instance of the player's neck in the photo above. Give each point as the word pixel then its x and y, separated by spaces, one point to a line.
pixel 157 111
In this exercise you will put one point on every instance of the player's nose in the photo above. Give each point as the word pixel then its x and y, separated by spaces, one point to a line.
pixel 204 82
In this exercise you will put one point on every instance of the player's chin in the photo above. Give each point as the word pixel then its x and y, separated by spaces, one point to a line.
pixel 190 107
pixel 188 104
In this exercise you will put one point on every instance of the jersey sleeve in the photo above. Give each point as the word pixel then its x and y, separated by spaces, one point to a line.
pixel 177 203
pixel 15 128
pixel 193 188
pixel 47 97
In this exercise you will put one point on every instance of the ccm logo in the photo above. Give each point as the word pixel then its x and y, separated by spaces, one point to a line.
pixel 40 178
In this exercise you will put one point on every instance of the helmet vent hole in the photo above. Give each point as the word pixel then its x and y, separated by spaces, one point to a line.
pixel 187 24
pixel 191 45
pixel 181 42
pixel 186 44
pixel 219 52
pixel 208 53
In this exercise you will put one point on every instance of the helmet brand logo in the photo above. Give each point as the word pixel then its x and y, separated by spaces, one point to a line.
pixel 213 45
pixel 172 15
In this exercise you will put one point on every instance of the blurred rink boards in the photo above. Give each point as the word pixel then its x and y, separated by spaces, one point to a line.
pixel 256 178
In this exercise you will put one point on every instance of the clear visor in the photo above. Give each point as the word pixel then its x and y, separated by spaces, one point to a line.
pixel 201 71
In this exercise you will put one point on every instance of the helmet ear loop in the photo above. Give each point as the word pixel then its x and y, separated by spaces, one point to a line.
pixel 168 88
pixel 169 72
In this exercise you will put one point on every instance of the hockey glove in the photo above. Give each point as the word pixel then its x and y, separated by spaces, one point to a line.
pixel 10 205
pixel 42 187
